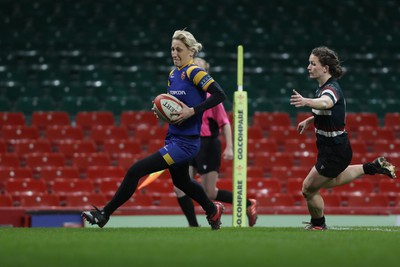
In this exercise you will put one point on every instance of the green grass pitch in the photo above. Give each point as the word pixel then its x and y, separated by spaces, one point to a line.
pixel 191 247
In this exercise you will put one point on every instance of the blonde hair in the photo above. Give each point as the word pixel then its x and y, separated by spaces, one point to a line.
pixel 188 39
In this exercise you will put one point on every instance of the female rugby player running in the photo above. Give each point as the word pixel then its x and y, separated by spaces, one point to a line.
pixel 189 84
pixel 334 150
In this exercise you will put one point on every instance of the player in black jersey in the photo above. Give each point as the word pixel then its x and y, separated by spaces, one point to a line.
pixel 334 150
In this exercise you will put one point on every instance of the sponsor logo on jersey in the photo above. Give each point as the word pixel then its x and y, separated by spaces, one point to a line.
pixel 177 92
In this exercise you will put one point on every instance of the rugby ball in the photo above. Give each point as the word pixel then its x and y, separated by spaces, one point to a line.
pixel 164 105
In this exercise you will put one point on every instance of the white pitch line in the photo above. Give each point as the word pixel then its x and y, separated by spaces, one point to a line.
pixel 363 229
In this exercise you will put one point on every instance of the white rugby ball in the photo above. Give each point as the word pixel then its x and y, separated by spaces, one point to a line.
pixel 164 105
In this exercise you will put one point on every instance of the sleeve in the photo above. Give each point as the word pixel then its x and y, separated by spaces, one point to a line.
pixel 331 92
pixel 220 115
pixel 204 81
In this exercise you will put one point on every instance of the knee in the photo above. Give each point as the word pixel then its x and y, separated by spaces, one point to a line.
pixel 306 192
pixel 309 192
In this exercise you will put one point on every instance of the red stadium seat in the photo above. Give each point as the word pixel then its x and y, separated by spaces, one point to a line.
pixel 12 119
pixel 41 200
pixel 108 186
pixel 275 200
pixel 356 187
pixel 63 132
pixel 63 187
pixel 225 184
pixel 159 187
pixel 9 160
pixel 294 186
pixel 6 201
pixel 255 133
pixel 227 172
pixel 271 119
pixel 263 186
pixel 300 146
pixel 255 172
pixel 85 200
pixel 389 186
pixel 278 159
pixel 3 146
pixel 385 146
pixel 262 145
pixel 358 146
pixel 17 173
pixel 125 160
pixel 154 145
pixel 167 200
pixel 27 146
pixel 300 171
pixel 102 172
pixel 370 134
pixel 367 200
pixel 281 135
pixel 260 159
pixel 145 135
pixel 25 186
pixel 355 120
pixel 392 121
pixel 285 173
pixel 133 120
pixel 10 133
pixel 43 119
pixel 69 147
pixel 89 119
pixel 307 160
pixel 139 200
pixel 117 146
pixel 52 173
pixel 85 160
pixel 40 160
pixel 332 200
pixel 102 133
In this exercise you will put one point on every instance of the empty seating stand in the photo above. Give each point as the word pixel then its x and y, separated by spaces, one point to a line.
pixel 83 93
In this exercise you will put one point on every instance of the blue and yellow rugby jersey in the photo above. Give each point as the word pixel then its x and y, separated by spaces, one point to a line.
pixel 330 123
pixel 189 84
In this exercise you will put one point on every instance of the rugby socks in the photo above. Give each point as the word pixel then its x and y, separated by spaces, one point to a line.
pixel 187 207
pixel 370 168
pixel 196 192
pixel 318 221
pixel 150 164
pixel 224 196
pixel 227 197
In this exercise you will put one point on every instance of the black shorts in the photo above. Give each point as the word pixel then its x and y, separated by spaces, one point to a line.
pixel 333 159
pixel 209 157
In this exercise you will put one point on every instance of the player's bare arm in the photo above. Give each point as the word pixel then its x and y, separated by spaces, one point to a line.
pixel 297 100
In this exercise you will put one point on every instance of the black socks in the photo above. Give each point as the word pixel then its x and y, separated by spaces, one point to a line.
pixel 187 207
pixel 318 221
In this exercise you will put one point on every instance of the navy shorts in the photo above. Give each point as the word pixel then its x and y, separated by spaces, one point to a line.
pixel 209 157
pixel 333 159
pixel 180 149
